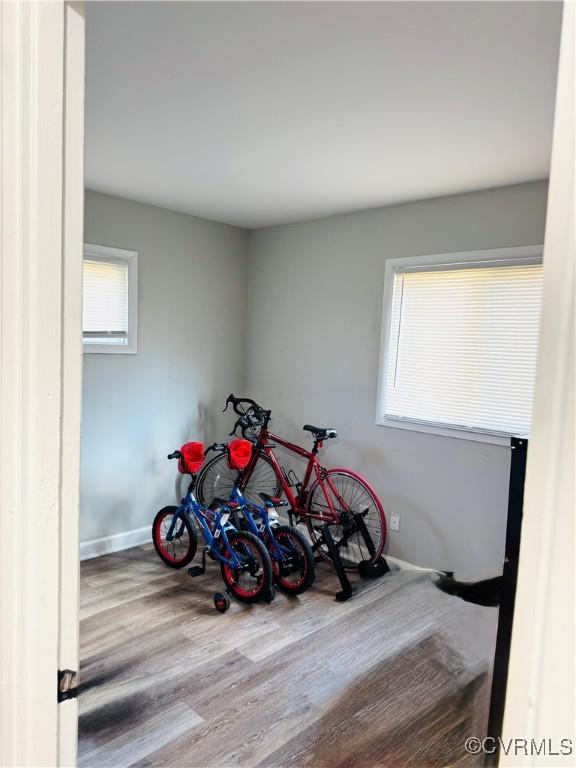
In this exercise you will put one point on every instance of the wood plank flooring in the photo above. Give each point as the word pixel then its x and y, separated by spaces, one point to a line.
pixel 397 676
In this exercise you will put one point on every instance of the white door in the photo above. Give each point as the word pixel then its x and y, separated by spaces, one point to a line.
pixel 540 693
pixel 42 89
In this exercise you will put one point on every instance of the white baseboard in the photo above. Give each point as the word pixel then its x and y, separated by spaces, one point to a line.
pixel 119 541
pixel 115 543
pixel 404 565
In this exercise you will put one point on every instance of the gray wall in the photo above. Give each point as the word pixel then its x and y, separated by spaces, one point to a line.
pixel 308 348
pixel 191 334
pixel 314 314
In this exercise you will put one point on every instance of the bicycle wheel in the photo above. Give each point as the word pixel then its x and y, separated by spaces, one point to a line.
pixel 253 581
pixel 217 479
pixel 296 573
pixel 349 493
pixel 181 550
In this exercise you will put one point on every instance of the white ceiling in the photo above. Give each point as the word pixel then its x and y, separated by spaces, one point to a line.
pixel 267 112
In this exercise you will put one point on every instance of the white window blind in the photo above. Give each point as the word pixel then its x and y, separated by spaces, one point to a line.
pixel 462 346
pixel 105 307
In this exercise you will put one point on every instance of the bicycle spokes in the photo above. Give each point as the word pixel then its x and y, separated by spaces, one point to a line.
pixel 246 575
pixel 358 532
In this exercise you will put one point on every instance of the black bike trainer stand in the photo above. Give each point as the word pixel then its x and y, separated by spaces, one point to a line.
pixel 351 523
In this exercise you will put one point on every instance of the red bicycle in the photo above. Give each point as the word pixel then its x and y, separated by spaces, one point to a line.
pixel 345 517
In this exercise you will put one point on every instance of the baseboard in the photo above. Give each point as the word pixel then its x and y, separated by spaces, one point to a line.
pixel 114 543
pixel 404 565
pixel 119 541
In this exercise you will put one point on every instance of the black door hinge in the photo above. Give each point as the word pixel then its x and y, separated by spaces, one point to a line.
pixel 67 684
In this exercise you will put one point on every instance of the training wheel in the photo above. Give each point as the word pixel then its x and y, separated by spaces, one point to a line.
pixel 221 602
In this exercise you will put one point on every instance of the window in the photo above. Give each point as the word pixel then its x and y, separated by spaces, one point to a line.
pixel 109 299
pixel 460 343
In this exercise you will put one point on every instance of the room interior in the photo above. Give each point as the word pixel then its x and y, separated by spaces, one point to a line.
pixel 265 161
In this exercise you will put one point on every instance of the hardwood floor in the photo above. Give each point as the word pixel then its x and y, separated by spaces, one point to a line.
pixel 397 676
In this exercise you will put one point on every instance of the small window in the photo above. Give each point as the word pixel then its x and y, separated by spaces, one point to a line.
pixel 460 342
pixel 109 299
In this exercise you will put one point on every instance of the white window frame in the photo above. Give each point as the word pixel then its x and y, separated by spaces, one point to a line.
pixel 514 256
pixel 107 253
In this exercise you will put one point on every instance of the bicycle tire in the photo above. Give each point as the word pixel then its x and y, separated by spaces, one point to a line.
pixel 257 585
pixel 217 478
pixel 298 580
pixel 360 497
pixel 180 551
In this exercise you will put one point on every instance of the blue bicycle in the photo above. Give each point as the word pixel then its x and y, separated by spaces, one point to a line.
pixel 244 560
pixel 290 552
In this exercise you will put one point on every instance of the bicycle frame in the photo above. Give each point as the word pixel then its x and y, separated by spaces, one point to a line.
pixel 249 509
pixel 296 503
pixel 190 505
pixel 350 521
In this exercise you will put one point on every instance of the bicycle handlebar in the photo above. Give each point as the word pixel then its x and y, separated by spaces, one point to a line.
pixel 253 416
pixel 213 447
pixel 236 401
pixel 216 447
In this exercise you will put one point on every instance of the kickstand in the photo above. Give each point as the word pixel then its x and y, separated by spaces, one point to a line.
pixel 347 591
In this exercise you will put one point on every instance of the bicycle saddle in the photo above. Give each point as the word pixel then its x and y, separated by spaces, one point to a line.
pixel 272 501
pixel 219 502
pixel 320 433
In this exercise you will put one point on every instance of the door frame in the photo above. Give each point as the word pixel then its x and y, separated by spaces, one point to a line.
pixel 42 105
pixel 540 689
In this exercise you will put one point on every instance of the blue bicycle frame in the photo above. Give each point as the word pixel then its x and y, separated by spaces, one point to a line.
pixel 213 524
pixel 249 509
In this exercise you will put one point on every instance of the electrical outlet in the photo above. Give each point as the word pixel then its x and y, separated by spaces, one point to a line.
pixel 394 522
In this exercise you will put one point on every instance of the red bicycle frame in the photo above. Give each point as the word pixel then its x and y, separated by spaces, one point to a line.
pixel 263 445
pixel 338 513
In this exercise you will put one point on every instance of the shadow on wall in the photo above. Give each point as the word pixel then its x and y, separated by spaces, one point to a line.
pixel 192 431
pixel 207 426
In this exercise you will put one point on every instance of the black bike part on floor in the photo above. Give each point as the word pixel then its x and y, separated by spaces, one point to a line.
pixel 369 570
pixel 486 592
pixel 366 569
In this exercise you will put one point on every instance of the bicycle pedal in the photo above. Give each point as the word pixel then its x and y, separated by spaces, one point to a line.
pixel 196 570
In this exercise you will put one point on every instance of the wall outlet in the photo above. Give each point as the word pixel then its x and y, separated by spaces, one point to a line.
pixel 394 522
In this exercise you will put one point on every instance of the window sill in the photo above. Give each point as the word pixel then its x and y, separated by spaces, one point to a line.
pixel 108 349
pixel 442 431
